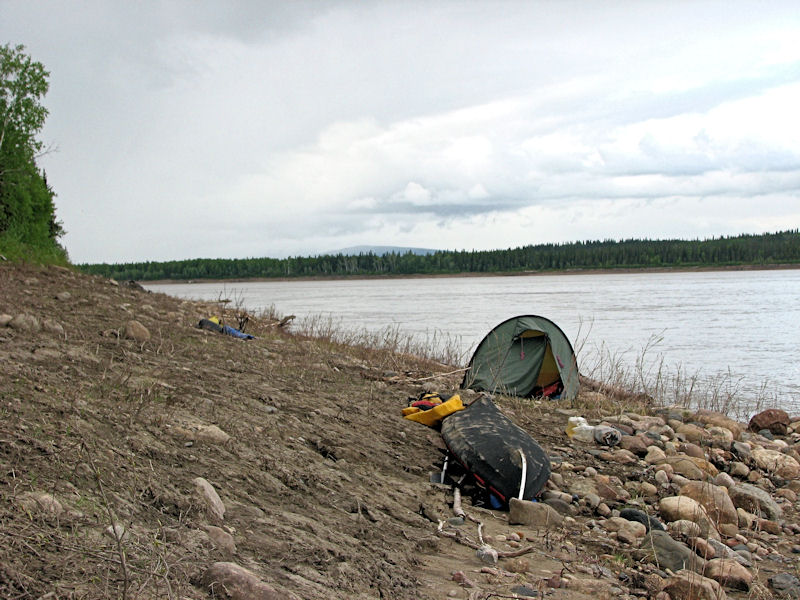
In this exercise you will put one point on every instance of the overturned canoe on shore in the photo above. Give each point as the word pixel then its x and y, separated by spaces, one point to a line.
pixel 501 456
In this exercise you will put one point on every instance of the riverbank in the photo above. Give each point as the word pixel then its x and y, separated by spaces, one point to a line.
pixel 497 274
pixel 143 456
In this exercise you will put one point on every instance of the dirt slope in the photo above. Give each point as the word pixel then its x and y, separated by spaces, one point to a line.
pixel 320 479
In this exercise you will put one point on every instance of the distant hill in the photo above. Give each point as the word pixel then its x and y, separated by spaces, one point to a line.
pixel 382 250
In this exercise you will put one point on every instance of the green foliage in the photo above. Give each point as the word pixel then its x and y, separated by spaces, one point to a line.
pixel 766 249
pixel 28 225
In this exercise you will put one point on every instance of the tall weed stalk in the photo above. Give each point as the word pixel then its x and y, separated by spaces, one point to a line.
pixel 674 385
pixel 436 345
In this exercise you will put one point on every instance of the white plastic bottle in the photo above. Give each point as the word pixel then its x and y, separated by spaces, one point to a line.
pixel 578 429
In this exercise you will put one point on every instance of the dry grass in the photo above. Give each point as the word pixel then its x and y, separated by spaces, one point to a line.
pixel 437 346
pixel 649 375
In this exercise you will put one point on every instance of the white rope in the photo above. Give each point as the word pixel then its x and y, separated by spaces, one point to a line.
pixel 524 473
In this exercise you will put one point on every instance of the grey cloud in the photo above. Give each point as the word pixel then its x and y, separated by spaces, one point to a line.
pixel 435 209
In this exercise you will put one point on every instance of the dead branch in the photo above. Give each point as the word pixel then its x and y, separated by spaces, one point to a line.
pixel 286 320
pixel 440 375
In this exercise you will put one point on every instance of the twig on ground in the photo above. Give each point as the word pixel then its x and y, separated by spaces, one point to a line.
pixel 459 537
pixel 114 529
pixel 440 375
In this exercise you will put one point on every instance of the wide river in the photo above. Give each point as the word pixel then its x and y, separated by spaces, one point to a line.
pixel 736 333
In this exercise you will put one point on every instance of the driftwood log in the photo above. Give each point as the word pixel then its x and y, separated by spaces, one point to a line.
pixel 286 320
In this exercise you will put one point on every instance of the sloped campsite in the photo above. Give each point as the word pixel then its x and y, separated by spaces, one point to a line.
pixel 146 457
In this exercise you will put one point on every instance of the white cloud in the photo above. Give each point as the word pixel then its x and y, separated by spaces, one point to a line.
pixel 416 194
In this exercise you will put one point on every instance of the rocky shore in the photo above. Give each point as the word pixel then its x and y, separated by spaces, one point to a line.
pixel 143 457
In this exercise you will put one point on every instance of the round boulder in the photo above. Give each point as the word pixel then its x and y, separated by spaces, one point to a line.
pixel 775 462
pixel 25 322
pixel 134 330
pixel 709 417
pixel 714 499
pixel 729 573
pixel 774 419
pixel 229 580
pixel 675 508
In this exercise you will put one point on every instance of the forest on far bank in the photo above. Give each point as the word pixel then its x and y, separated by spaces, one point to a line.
pixel 778 248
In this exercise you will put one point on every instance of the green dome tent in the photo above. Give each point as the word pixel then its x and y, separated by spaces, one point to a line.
pixel 524 356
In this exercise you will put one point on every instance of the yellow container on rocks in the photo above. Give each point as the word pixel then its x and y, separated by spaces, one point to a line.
pixel 434 415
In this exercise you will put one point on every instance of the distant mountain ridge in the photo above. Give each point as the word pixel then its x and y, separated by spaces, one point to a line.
pixel 382 250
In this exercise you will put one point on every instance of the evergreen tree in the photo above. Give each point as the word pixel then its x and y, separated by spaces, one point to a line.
pixel 28 224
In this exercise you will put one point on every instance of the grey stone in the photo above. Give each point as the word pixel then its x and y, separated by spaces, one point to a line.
pixel 41 503
pixel 559 505
pixel 209 497
pixel 533 514
pixel 222 540
pixel 25 322
pixel 136 331
pixel 53 327
pixel 721 549
pixel 755 500
pixel 741 449
pixel 714 499
pixel 785 583
pixel 229 580
pixel 487 554
pixel 729 573
pixel 593 500
pixel 739 469
pixel 668 553
pixel 632 514
pixel 691 586
pixel 211 434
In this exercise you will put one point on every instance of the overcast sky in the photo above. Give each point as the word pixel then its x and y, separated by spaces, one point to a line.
pixel 188 129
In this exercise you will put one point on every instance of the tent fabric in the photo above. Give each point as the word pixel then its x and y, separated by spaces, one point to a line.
pixel 522 355
pixel 488 444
